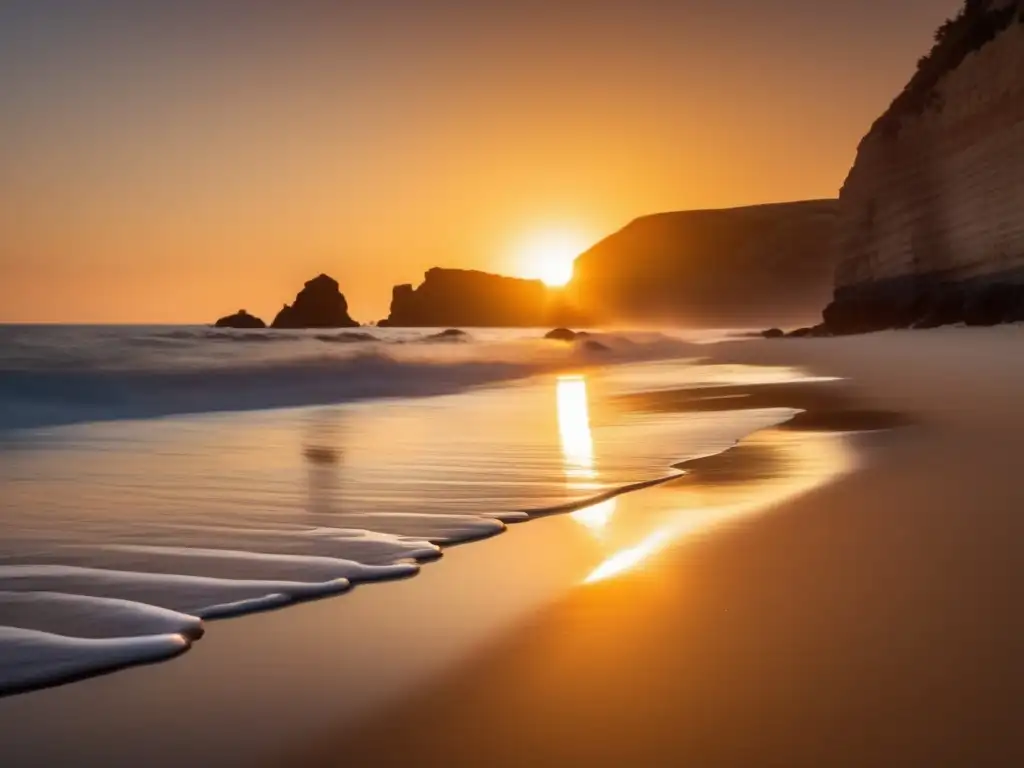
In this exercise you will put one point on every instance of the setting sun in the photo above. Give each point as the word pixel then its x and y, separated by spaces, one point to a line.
pixel 549 256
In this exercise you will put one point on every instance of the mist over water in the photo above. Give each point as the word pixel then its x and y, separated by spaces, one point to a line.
pixel 70 374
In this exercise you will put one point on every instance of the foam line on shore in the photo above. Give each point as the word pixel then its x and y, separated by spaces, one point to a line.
pixel 308 567
pixel 212 583
pixel 184 593
pixel 30 659
pixel 76 615
pixel 361 544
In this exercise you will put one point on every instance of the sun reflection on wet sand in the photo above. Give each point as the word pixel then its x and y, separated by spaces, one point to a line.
pixel 630 557
pixel 703 501
pixel 597 517
pixel 767 468
pixel 578 450
pixel 574 427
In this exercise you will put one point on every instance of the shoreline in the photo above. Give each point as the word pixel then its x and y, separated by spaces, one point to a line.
pixel 111 653
pixel 872 620
pixel 476 595
pixel 484 590
pixel 477 639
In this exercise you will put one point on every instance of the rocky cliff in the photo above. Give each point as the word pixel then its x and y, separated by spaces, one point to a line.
pixel 717 268
pixel 931 217
pixel 457 297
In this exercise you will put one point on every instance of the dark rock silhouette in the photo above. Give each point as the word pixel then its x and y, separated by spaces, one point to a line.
pixel 318 305
pixel 347 337
pixel 452 334
pixel 944 307
pixel 814 332
pixel 910 302
pixel 718 268
pixel 471 299
pixel 994 304
pixel 241 319
pixel 773 333
pixel 561 334
pixel 318 454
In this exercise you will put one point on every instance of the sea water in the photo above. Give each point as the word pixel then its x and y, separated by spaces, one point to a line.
pixel 153 478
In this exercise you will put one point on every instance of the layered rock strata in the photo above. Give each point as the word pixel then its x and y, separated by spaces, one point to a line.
pixel 931 216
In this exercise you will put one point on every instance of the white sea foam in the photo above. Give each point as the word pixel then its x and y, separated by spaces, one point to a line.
pixel 183 593
pixel 438 528
pixel 303 568
pixel 29 658
pixel 362 545
pixel 88 616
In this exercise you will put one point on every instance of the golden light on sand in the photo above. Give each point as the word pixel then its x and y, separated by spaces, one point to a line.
pixel 630 558
pixel 809 459
pixel 549 256
pixel 597 517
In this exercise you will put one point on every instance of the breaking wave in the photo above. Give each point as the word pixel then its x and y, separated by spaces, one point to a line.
pixel 64 375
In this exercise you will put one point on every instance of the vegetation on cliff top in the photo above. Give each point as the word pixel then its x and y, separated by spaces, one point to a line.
pixel 978 23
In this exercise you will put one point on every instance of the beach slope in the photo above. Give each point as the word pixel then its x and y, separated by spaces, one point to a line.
pixel 873 621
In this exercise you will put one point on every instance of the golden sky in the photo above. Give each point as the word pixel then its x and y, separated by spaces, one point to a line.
pixel 173 162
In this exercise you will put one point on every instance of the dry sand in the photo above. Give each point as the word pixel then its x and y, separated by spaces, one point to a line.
pixel 874 621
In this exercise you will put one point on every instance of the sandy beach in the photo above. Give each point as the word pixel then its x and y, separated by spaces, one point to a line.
pixel 810 597
pixel 872 621
pixel 609 384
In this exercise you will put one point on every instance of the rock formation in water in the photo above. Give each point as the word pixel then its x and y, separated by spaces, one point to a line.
pixel 561 334
pixel 931 223
pixel 457 297
pixel 449 335
pixel 717 268
pixel 318 305
pixel 241 319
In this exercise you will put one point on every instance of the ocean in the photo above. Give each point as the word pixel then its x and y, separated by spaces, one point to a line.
pixel 155 479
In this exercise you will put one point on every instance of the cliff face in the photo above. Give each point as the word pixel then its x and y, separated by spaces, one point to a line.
pixel 718 268
pixel 931 221
pixel 457 297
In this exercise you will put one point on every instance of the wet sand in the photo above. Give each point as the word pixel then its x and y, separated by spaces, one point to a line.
pixel 875 620
pixel 733 617
pixel 272 683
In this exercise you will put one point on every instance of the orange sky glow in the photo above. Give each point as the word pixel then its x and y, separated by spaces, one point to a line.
pixel 173 163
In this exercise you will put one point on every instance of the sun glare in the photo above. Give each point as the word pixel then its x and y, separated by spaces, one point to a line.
pixel 549 256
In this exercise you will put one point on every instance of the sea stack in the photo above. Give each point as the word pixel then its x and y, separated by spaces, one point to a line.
pixel 320 304
pixel 241 319
pixel 931 217
pixel 472 299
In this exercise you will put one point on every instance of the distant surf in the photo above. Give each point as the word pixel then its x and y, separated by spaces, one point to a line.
pixel 53 375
